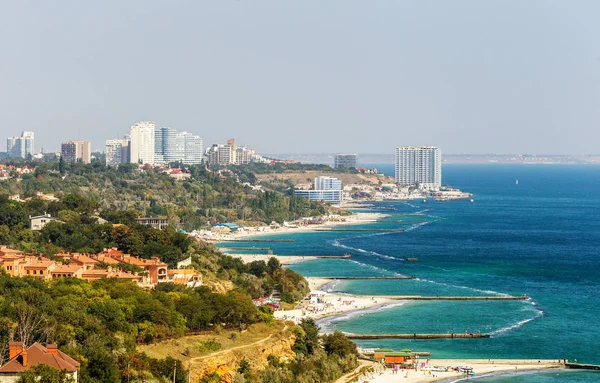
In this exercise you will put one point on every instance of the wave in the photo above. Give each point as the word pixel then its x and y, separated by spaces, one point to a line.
pixel 378 269
pixel 327 325
pixel 337 243
pixel 411 205
pixel 462 287
pixel 417 225
pixel 522 323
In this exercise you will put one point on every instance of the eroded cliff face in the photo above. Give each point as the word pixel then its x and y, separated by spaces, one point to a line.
pixel 227 362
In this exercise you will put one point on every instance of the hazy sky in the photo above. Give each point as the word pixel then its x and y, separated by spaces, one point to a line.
pixel 307 76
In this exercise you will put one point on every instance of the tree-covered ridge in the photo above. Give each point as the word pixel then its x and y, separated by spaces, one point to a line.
pixel 97 323
pixel 206 197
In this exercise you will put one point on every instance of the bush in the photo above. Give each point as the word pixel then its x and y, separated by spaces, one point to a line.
pixel 209 346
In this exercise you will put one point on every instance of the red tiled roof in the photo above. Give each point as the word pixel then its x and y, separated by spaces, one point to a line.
pixel 83 259
pixel 38 354
pixel 39 265
pixel 66 269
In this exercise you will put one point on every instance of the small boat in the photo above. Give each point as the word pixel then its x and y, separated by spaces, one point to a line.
pixel 472 200
pixel 516 182
pixel 424 201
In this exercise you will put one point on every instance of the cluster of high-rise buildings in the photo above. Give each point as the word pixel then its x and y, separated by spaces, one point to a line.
pixel 20 146
pixel 147 144
pixel 231 154
pixel 419 166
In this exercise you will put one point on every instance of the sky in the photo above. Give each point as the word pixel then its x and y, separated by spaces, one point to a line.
pixel 307 76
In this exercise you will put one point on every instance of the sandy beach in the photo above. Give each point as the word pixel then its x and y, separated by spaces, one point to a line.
pixel 283 259
pixel 480 367
pixel 353 219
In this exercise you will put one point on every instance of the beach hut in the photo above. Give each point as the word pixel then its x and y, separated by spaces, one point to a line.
pixel 399 357
pixel 379 353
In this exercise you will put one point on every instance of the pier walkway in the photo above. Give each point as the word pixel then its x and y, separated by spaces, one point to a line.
pixel 579 366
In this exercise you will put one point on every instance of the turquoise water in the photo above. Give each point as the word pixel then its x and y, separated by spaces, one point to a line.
pixel 540 238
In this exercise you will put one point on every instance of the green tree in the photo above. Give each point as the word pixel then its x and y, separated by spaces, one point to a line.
pixel 338 344
pixel 42 373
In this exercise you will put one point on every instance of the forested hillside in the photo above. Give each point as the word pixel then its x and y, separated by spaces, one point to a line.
pixel 206 197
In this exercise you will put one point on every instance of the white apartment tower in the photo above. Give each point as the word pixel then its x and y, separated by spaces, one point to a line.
pixel 192 149
pixel 419 166
pixel 174 146
pixel 142 142
pixel 20 146
pixel 117 151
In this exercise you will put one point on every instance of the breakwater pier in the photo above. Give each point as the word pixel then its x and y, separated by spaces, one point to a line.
pixel 580 366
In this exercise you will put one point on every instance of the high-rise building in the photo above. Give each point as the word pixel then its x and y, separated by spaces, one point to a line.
pixel 165 145
pixel 142 142
pixel 244 156
pixel 232 150
pixel 420 166
pixel 327 189
pixel 174 146
pixel 347 161
pixel 76 151
pixel 21 146
pixel 230 154
pixel 13 146
pixel 117 152
pixel 193 149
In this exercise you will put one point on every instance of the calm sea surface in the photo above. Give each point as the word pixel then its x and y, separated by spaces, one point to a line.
pixel 540 237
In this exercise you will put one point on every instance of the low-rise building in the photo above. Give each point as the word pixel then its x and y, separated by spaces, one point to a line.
pixel 67 271
pixel 22 359
pixel 188 277
pixel 38 222
pixel 39 269
pixel 155 222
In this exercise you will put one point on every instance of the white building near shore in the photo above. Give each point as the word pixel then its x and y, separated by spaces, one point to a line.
pixel 327 189
pixel 419 166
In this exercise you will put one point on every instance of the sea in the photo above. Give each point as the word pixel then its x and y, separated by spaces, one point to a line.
pixel 530 229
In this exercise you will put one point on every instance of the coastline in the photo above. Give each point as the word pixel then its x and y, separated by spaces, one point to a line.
pixel 481 368
pixel 335 305
pixel 355 218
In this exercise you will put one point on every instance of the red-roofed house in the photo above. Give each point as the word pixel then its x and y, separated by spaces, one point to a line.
pixel 65 271
pixel 22 359
pixel 83 260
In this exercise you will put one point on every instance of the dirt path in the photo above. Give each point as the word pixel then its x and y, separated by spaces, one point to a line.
pixel 362 363
pixel 218 353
